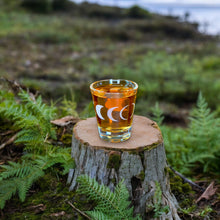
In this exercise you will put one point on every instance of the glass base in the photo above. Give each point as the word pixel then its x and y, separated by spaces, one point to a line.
pixel 115 136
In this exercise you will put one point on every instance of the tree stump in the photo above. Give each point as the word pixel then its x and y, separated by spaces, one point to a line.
pixel 140 161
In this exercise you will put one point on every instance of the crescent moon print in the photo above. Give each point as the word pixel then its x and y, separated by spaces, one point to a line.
pixel 133 110
pixel 98 111
pixel 109 113
pixel 122 112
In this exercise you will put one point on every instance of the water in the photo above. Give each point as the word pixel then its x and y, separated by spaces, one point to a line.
pixel 207 15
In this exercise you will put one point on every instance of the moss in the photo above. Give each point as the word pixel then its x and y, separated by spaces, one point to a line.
pixel 49 191
pixel 66 139
pixel 148 148
pixel 114 160
pixel 114 181
pixel 141 175
pixel 167 170
pixel 182 191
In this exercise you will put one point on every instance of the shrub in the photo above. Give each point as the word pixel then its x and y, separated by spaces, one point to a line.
pixel 138 12
pixel 98 11
pixel 40 6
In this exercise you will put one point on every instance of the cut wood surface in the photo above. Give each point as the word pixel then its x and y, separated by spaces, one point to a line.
pixel 145 133
pixel 139 161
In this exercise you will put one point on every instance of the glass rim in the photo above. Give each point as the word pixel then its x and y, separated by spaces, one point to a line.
pixel 107 80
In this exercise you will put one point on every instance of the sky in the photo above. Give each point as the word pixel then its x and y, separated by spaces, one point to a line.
pixel 186 1
pixel 204 2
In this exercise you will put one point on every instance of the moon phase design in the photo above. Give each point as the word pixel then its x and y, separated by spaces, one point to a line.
pixel 122 112
pixel 133 110
pixel 98 111
pixel 109 114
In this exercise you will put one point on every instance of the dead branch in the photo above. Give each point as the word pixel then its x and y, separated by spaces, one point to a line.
pixel 187 180
pixel 9 141
pixel 79 211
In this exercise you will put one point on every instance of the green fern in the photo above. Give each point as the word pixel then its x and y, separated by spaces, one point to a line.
pixel 8 188
pixel 109 205
pixel 198 145
pixel 19 177
pixel 158 208
pixel 203 136
pixel 68 106
pixel 32 119
pixel 157 114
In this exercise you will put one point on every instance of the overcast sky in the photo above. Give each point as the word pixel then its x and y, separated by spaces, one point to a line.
pixel 130 2
pixel 203 2
pixel 185 1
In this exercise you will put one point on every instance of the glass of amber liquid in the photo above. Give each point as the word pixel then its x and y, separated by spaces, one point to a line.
pixel 114 103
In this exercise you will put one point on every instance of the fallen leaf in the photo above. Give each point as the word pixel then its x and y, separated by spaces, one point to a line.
pixel 210 191
pixel 65 121
pixel 58 214
pixel 37 208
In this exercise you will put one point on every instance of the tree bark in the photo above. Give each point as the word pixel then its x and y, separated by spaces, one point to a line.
pixel 140 161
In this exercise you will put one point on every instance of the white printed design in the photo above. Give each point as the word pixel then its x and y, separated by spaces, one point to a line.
pixel 98 111
pixel 109 112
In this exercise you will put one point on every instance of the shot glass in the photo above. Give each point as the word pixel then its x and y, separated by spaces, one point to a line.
pixel 114 103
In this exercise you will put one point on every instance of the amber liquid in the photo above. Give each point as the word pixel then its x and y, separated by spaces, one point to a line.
pixel 114 106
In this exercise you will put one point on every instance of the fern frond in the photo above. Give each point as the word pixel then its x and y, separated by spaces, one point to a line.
pixel 61 156
pixel 29 135
pixel 37 107
pixel 8 188
pixel 107 201
pixel 97 215
pixel 197 145
pixel 122 198
pixel 25 183
pixel 157 114
pixel 15 169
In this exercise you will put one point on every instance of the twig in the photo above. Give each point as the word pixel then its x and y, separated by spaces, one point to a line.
pixel 45 140
pixel 187 180
pixel 80 212
pixel 9 141
pixel 6 132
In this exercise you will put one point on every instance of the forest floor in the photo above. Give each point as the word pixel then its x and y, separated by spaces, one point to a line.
pixel 58 55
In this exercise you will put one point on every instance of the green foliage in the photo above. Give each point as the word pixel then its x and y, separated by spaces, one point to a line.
pixel 51 37
pixel 109 205
pixel 204 136
pixel 42 6
pixel 197 145
pixel 161 75
pixel 169 77
pixel 32 119
pixel 157 114
pixel 88 111
pixel 98 11
pixel 19 177
pixel 211 63
pixel 138 12
pixel 10 4
pixel 68 106
pixel 158 208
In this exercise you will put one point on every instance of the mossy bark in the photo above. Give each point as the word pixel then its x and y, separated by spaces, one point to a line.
pixel 140 167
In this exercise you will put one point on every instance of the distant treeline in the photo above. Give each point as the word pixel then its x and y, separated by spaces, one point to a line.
pixel 134 18
pixel 83 9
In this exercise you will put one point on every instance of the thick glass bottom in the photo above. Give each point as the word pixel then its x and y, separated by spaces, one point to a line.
pixel 115 136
